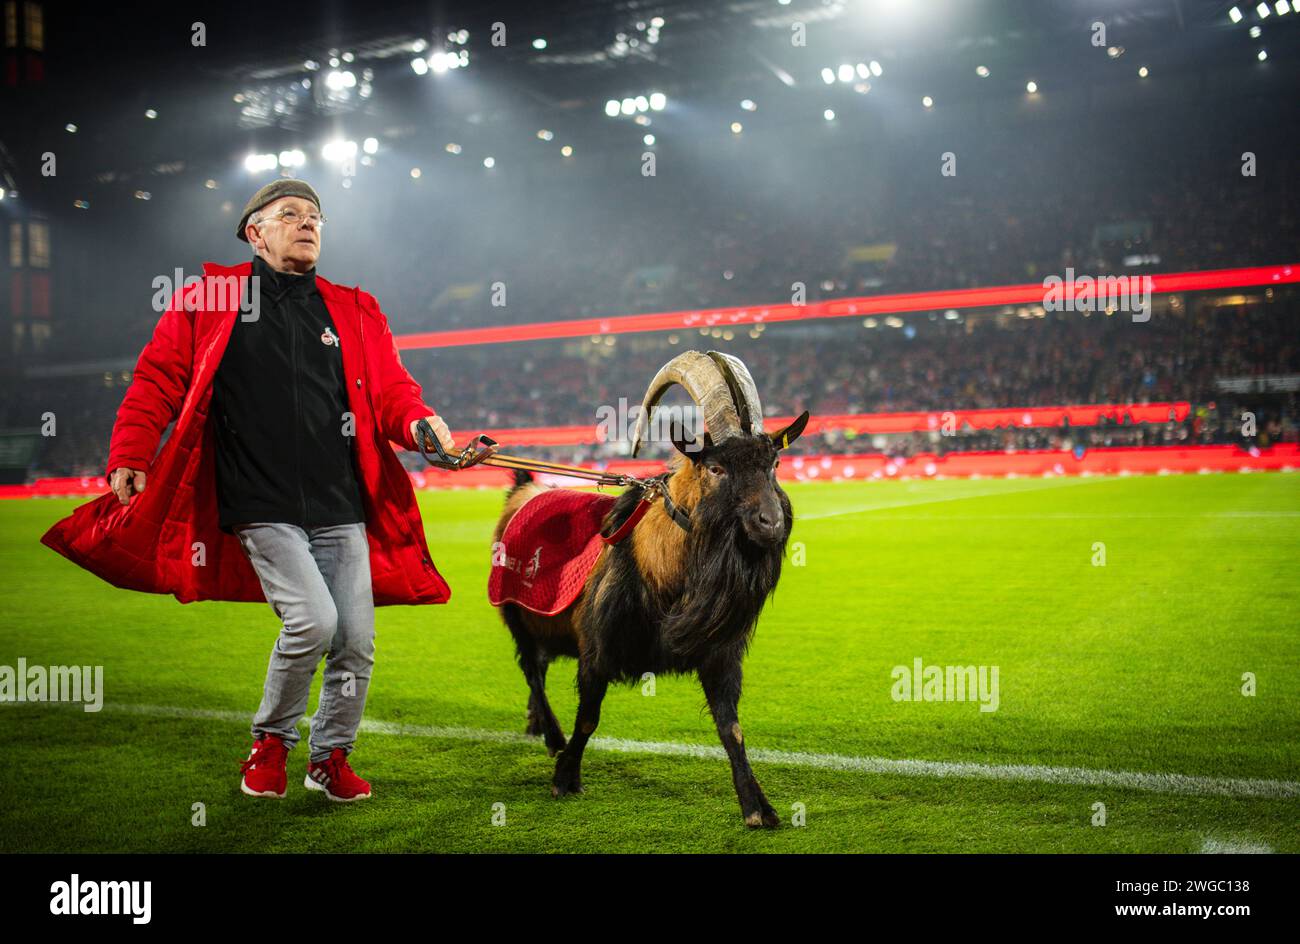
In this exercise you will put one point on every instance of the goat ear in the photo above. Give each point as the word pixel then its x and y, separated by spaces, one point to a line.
pixel 783 437
pixel 690 448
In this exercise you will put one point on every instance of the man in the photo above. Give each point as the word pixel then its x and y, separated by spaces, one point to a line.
pixel 284 409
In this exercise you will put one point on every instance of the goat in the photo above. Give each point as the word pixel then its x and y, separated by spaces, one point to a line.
pixel 668 599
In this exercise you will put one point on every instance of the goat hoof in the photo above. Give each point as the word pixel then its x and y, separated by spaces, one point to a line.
pixel 765 817
pixel 564 788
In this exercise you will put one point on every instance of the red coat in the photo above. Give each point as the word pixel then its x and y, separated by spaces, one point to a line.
pixel 154 543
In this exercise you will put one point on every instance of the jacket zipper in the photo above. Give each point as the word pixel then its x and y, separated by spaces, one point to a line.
pixel 297 415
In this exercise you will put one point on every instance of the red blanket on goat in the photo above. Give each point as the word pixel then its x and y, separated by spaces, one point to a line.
pixel 550 546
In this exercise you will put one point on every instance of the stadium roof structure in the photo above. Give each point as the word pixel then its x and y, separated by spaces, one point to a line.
pixel 563 60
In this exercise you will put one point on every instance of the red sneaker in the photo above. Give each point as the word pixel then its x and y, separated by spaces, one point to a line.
pixel 337 779
pixel 264 774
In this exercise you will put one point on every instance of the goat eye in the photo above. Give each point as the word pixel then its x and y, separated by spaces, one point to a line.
pixel 776 463
pixel 717 470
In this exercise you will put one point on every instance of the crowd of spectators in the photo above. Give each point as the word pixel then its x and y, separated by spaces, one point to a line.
pixel 989 360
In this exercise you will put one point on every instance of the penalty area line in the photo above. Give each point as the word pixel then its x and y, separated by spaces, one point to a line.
pixel 1167 783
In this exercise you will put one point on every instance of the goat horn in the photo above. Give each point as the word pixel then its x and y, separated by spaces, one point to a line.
pixel 708 386
pixel 743 391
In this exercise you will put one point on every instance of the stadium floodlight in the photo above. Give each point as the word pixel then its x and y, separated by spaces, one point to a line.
pixel 545 135
pixel 2 193
pixel 658 101
pixel 845 73
pixel 748 105
pixel 438 62
pixel 1263 10
pixel 452 148
pixel 862 70
pixel 657 22
pixel 489 162
pixel 70 128
pixel 982 71
pixel 642 120
pixel 338 150
pixel 336 81
pixel 1295 6
pixel 257 163
pixel 611 108
pixel 828 76
pixel 566 151
pixel 629 106
pixel 642 103
pixel 415 173
pixel 293 158
pixel 1254 32
pixel 150 113
pixel 927 101
pixel 1281 8
pixel 648 140
pixel 875 68
pixel 1262 55
pixel 737 127
pixel 1143 72
pixel 420 65
pixel 370 145
pixel 1031 87
pixel 829 115
pixel 1235 14
pixel 539 43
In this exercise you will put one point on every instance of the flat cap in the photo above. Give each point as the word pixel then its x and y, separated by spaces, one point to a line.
pixel 284 187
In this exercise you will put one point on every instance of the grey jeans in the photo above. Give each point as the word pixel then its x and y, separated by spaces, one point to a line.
pixel 318 583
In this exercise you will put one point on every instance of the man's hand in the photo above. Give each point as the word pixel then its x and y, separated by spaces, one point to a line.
pixel 439 429
pixel 125 483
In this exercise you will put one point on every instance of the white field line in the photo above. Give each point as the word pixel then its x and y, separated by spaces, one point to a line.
pixel 1036 486
pixel 1220 847
pixel 1182 784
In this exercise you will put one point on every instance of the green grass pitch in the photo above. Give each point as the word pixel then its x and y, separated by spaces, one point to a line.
pixel 1135 666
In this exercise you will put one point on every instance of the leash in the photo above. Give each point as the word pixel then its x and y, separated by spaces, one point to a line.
pixel 482 450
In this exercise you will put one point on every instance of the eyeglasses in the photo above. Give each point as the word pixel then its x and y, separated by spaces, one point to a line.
pixel 293 218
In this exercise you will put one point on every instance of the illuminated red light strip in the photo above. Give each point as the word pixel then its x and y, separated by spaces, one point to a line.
pixel 873 423
pixel 1032 293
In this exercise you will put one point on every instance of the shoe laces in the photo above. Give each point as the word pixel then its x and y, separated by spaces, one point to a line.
pixel 337 766
pixel 270 752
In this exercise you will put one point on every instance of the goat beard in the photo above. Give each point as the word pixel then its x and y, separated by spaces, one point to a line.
pixel 729 578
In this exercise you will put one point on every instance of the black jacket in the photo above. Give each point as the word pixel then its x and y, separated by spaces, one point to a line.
pixel 284 437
